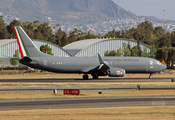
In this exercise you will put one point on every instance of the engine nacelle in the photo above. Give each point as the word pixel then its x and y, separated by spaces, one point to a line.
pixel 116 72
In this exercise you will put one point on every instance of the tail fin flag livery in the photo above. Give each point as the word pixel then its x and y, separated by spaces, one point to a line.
pixel 26 46
pixel 96 66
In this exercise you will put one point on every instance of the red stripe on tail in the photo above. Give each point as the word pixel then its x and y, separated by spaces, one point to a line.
pixel 18 43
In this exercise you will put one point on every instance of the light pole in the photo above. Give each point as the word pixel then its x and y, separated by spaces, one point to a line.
pixel 163 18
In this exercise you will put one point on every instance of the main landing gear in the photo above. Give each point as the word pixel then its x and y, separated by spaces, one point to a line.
pixel 85 77
pixel 95 76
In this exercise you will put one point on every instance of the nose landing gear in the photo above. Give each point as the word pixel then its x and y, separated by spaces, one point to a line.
pixel 150 77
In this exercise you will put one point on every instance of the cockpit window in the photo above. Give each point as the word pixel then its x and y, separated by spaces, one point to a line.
pixel 159 63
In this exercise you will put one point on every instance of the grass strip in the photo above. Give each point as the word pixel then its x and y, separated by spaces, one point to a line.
pixel 33 95
pixel 56 85
pixel 74 76
pixel 110 113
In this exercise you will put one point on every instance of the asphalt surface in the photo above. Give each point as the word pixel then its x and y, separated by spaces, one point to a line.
pixel 86 102
pixel 62 103
pixel 89 89
pixel 103 80
pixel 91 80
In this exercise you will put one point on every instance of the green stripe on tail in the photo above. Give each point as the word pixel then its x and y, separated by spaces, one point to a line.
pixel 23 44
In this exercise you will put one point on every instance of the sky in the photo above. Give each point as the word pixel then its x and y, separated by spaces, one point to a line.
pixel 150 7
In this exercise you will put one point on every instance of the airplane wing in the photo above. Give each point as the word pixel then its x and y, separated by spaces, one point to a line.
pixel 102 67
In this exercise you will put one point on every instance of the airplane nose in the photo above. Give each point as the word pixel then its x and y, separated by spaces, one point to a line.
pixel 164 67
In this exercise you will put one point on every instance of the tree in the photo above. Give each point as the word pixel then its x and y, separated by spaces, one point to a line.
pixel 143 32
pixel 76 35
pixel 61 38
pixel 162 53
pixel 152 51
pixel 43 31
pixel 171 54
pixel 110 34
pixel 2 24
pixel 112 53
pixel 36 24
pixel 125 49
pixel 159 32
pixel 135 50
pixel 173 39
pixel 38 35
pixel 107 53
pixel 90 36
pixel 29 29
pixel 15 62
pixel 3 29
pixel 145 54
pixel 165 40
pixel 117 53
pixel 10 27
pixel 154 41
pixel 46 49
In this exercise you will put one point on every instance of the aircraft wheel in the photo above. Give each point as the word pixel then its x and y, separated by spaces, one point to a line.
pixel 95 77
pixel 85 77
pixel 150 77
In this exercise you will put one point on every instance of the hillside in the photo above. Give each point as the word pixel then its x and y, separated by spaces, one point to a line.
pixel 63 10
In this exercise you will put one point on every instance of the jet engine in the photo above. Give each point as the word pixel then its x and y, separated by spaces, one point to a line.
pixel 116 72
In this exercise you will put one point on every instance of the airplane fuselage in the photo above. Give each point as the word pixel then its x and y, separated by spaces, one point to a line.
pixel 83 64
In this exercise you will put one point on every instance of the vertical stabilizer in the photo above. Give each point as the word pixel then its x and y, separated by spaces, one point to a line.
pixel 26 46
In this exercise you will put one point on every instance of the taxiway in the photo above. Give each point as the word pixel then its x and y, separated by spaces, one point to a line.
pixel 91 102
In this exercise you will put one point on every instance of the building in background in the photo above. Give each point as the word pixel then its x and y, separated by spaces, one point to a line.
pixel 82 48
pixel 8 47
pixel 92 47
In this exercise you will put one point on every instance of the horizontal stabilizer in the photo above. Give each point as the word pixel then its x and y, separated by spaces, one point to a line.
pixel 26 59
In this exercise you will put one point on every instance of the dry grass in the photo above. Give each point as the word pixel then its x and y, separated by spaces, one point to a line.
pixel 39 75
pixel 73 76
pixel 33 95
pixel 56 85
pixel 112 113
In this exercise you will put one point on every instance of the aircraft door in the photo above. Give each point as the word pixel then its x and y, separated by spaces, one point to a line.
pixel 151 64
pixel 45 63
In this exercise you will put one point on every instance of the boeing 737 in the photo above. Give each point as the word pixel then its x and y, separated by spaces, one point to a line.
pixel 96 66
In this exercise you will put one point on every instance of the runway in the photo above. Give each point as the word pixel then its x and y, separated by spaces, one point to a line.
pixel 101 80
pixel 89 89
pixel 92 102
pixel 91 80
pixel 86 102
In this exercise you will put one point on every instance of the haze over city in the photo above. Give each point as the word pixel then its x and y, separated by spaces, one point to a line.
pixel 150 7
pixel 104 18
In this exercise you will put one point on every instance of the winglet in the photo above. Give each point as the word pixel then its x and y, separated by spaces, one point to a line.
pixel 100 59
pixel 103 66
